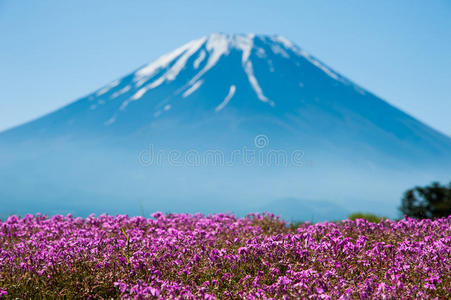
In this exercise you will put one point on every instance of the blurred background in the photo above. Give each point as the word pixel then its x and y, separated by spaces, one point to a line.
pixel 374 128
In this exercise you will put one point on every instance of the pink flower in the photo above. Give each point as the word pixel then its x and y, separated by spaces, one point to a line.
pixel 121 286
pixel 243 250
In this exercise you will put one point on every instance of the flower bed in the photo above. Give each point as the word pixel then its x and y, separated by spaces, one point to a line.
pixel 220 256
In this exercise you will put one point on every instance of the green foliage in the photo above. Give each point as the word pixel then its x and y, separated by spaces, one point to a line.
pixel 427 202
pixel 294 225
pixel 369 217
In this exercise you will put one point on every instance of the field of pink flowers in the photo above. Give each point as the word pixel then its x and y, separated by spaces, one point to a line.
pixel 221 256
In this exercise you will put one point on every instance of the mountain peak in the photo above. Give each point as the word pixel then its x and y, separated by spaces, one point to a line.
pixel 236 38
pixel 219 44
pixel 205 53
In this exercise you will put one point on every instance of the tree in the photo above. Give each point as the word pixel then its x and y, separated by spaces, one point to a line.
pixel 430 202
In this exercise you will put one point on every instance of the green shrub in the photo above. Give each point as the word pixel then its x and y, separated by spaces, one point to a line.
pixel 369 217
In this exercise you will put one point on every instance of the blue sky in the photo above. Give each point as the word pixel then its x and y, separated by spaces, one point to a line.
pixel 53 52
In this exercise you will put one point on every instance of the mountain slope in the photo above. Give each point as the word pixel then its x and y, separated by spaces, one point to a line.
pixel 220 92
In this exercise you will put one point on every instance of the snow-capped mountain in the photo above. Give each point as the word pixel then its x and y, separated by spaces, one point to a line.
pixel 220 92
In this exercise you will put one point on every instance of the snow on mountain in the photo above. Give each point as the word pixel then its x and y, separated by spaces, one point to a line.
pixel 227 98
pixel 199 57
